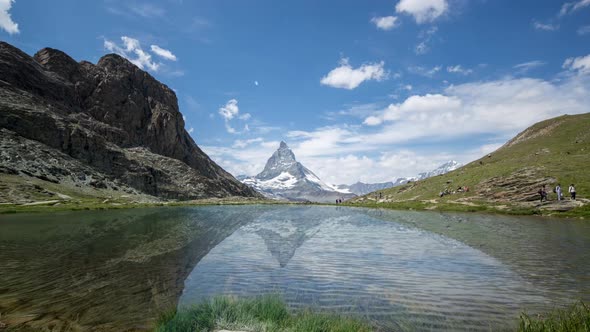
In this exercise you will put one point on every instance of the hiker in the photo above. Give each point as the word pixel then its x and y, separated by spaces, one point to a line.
pixel 380 195
pixel 542 193
pixel 336 200
pixel 572 191
pixel 558 191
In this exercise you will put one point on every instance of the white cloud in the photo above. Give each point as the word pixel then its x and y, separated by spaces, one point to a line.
pixel 256 83
pixel 570 7
pixel 230 110
pixel 423 105
pixel 411 136
pixel 580 64
pixel 426 36
pixel 458 69
pixel 423 11
pixel 346 77
pixel 164 53
pixel 419 70
pixel 132 50
pixel 525 67
pixel 545 26
pixel 147 10
pixel 6 22
pixel 422 48
pixel 191 130
pixel 244 143
pixel 497 107
pixel 584 30
pixel 385 22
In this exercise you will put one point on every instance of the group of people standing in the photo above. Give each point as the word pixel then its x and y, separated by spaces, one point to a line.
pixel 557 190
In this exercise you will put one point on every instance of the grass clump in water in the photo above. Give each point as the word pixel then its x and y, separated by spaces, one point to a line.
pixel 573 319
pixel 265 313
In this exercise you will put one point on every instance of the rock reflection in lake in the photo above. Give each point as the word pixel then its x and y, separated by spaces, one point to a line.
pixel 104 270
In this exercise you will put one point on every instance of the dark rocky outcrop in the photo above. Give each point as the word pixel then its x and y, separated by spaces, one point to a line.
pixel 112 117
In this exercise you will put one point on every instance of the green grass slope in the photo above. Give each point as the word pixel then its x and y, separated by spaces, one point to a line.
pixel 550 152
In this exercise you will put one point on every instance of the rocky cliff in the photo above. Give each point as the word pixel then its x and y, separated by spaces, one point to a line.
pixel 108 125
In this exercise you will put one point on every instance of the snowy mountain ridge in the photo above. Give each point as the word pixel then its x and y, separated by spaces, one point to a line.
pixel 360 188
pixel 284 178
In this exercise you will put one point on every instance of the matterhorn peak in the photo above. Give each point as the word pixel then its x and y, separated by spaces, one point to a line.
pixel 283 145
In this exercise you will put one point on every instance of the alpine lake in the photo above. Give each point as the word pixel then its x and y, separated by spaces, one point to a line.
pixel 118 270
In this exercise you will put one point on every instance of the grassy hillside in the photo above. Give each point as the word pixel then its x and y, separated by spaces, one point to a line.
pixel 550 152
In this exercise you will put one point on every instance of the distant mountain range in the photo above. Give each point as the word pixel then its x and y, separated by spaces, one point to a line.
pixel 360 188
pixel 285 178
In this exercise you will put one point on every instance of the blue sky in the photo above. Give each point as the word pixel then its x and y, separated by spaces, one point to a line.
pixel 361 90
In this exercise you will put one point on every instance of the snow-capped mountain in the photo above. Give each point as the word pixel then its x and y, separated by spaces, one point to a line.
pixel 285 178
pixel 360 188
pixel 442 169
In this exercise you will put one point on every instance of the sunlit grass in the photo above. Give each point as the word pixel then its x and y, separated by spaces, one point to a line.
pixel 265 313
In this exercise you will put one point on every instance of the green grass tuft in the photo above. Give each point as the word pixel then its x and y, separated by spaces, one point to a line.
pixel 264 313
pixel 576 318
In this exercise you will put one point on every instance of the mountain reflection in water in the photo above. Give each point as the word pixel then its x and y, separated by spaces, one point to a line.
pixel 117 270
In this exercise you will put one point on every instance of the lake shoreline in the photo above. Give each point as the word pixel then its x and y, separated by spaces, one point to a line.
pixel 582 212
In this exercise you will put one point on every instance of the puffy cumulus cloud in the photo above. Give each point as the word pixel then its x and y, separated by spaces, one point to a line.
pixel 6 22
pixel 500 108
pixel 347 77
pixel 580 64
pixel 416 105
pixel 164 53
pixel 385 22
pixel 423 11
pixel 132 51
pixel 570 7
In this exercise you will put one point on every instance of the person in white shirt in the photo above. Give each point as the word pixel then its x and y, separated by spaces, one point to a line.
pixel 572 191
pixel 558 192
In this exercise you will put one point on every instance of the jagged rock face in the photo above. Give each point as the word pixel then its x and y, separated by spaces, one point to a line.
pixel 282 160
pixel 285 178
pixel 95 113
